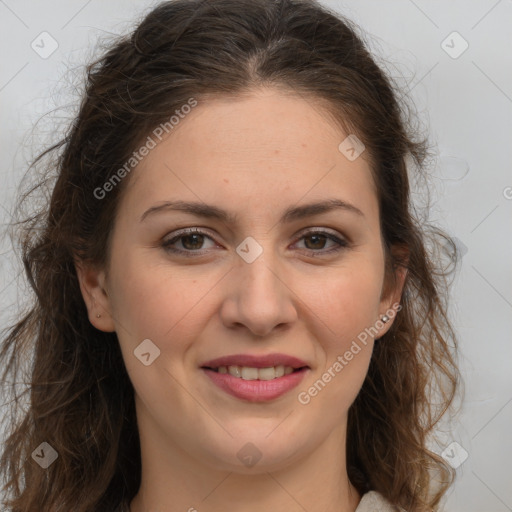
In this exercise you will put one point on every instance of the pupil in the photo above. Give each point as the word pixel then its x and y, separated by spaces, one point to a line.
pixel 317 237
pixel 185 244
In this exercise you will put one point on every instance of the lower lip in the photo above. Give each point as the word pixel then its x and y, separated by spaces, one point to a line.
pixel 256 390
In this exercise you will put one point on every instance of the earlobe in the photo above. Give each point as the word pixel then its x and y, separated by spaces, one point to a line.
pixel 96 298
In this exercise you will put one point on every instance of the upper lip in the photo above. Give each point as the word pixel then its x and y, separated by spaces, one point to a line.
pixel 253 361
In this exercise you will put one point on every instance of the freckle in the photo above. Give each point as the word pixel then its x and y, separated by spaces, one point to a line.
pixel 304 144
pixel 276 151
pixel 225 180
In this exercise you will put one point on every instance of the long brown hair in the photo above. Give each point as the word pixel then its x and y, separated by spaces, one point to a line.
pixel 81 400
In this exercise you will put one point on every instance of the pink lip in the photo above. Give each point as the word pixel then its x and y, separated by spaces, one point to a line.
pixel 256 390
pixel 251 361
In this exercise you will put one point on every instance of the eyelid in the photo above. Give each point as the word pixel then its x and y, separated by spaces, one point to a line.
pixel 176 235
pixel 305 231
pixel 317 229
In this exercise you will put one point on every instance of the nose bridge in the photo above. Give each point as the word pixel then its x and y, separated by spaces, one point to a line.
pixel 262 298
pixel 260 279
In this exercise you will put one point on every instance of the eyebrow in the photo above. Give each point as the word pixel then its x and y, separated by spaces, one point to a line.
pixel 213 212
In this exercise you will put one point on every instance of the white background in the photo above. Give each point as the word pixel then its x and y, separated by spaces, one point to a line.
pixel 466 103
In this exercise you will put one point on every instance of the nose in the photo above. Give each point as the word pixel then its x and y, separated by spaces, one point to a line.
pixel 259 297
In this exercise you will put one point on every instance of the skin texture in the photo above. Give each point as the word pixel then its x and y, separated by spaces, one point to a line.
pixel 254 156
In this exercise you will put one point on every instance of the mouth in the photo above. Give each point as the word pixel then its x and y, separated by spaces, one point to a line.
pixel 256 378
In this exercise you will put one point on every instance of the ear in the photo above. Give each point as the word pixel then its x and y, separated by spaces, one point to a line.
pixel 92 285
pixel 396 273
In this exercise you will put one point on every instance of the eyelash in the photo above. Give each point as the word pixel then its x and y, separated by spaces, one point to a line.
pixel 166 244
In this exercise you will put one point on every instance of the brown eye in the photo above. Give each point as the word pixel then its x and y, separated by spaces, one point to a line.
pixel 192 240
pixel 318 240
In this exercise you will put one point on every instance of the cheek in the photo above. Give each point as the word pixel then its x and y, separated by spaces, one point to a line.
pixel 347 308
pixel 160 303
pixel 347 299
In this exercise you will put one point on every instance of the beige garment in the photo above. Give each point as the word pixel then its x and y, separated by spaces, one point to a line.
pixel 374 502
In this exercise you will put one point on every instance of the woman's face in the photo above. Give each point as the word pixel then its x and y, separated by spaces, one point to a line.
pixel 255 283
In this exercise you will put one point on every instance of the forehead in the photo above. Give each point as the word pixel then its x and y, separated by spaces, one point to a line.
pixel 262 149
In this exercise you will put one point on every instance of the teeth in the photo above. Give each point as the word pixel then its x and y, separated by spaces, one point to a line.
pixel 247 373
pixel 266 373
pixel 235 371
pixel 279 371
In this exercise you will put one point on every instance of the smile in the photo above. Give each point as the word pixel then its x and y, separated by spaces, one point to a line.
pixel 249 373
pixel 256 378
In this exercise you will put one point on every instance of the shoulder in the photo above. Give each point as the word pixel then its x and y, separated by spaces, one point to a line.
pixel 373 501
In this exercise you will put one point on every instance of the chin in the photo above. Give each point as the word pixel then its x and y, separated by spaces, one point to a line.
pixel 255 451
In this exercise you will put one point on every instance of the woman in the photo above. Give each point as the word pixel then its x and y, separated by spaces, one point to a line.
pixel 234 305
